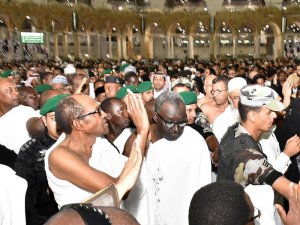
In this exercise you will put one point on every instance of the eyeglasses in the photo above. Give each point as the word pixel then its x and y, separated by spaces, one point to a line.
pixel 98 110
pixel 170 125
pixel 217 91
pixel 257 214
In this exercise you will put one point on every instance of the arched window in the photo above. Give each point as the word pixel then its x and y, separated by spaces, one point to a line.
pixel 191 3
pixel 180 38
pixel 290 2
pixel 129 2
pixel 72 2
pixel 245 36
pixel 226 36
pixel 201 36
pixel 244 3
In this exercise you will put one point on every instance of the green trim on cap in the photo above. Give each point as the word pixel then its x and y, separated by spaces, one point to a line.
pixel 51 103
pixel 6 73
pixel 188 97
pixel 42 88
pixel 144 86
pixel 122 92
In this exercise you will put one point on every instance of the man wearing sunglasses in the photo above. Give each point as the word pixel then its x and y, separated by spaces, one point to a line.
pixel 176 166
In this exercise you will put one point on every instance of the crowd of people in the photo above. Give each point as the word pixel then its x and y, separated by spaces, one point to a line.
pixel 181 141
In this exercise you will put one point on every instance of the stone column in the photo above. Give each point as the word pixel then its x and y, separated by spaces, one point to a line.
pixel 256 46
pixel 191 47
pixel 129 48
pixel 212 45
pixel 119 46
pixel 109 46
pixel 88 42
pixel 65 44
pixel 55 45
pixel 124 47
pixel 76 44
pixel 234 46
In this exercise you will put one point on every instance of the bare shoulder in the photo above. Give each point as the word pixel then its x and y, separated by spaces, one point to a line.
pixel 62 159
pixel 62 153
pixel 208 105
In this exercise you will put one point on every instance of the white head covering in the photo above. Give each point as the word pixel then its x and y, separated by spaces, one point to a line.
pixel 236 83
pixel 69 69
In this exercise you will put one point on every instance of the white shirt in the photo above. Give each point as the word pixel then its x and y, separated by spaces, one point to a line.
pixel 104 158
pixel 13 131
pixel 222 122
pixel 120 141
pixel 173 171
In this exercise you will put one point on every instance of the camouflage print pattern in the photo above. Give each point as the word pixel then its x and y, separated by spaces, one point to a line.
pixel 202 121
pixel 253 168
pixel 241 158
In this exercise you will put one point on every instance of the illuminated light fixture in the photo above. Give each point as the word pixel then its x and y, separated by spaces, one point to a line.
pixel 28 17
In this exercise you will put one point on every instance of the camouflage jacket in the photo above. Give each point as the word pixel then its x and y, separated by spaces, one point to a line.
pixel 241 159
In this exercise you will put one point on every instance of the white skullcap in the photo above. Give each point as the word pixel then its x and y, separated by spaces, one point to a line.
pixel 130 68
pixel 60 79
pixel 236 84
pixel 70 69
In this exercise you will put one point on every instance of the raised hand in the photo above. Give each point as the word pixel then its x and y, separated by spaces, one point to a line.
pixel 293 216
pixel 292 146
pixel 131 170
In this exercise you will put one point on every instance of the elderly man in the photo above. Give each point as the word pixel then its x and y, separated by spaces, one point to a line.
pixel 165 188
pixel 13 117
pixel 69 173
pixel 241 158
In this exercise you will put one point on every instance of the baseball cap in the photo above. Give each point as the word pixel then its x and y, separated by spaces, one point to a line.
pixel 113 79
pixel 256 96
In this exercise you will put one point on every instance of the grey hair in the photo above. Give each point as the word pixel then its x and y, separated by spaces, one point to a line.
pixel 67 110
pixel 169 97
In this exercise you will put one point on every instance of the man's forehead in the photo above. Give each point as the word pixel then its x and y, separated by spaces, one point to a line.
pixel 167 107
pixel 4 82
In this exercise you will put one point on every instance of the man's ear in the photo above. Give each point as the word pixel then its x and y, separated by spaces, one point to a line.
pixel 44 119
pixel 108 116
pixel 155 117
pixel 77 124
pixel 251 116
